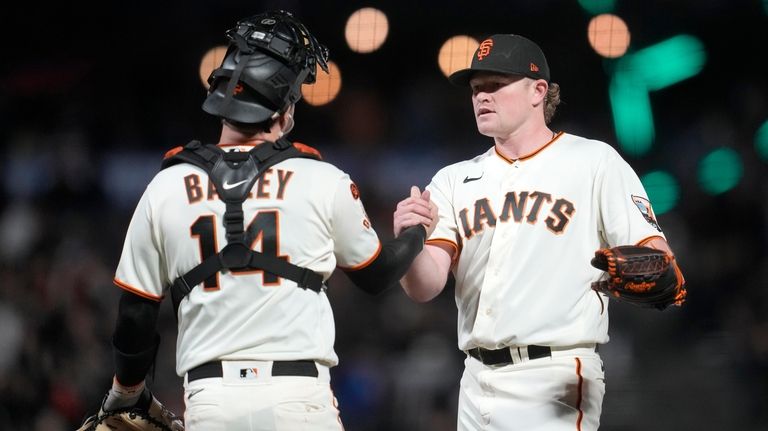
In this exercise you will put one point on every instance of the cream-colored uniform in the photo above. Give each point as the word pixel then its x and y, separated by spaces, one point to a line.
pixel 305 211
pixel 524 232
pixel 320 225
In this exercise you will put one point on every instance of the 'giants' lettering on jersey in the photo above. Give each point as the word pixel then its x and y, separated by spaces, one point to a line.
pixel 518 206
pixel 263 189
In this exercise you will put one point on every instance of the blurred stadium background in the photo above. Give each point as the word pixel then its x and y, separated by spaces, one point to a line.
pixel 93 97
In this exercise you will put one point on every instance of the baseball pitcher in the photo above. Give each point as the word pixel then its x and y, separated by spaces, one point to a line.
pixel 519 226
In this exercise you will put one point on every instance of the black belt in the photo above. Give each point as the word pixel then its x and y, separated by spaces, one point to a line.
pixel 213 369
pixel 504 356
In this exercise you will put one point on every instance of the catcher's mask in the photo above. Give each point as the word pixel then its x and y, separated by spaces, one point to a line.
pixel 269 57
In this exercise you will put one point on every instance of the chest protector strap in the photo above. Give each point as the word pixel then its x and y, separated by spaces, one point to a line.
pixel 234 174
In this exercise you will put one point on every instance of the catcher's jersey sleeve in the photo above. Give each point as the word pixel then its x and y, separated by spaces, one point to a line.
pixel 139 270
pixel 356 243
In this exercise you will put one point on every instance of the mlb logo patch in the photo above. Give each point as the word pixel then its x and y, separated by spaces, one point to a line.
pixel 249 373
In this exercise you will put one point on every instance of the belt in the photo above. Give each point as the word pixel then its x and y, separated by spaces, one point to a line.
pixel 505 355
pixel 213 369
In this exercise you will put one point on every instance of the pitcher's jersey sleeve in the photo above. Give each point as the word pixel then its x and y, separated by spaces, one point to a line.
pixel 625 210
pixel 441 189
pixel 356 243
pixel 139 270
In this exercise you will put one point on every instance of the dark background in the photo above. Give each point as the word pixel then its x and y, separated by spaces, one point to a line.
pixel 90 99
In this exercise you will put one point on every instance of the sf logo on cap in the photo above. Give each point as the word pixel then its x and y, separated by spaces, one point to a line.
pixel 484 49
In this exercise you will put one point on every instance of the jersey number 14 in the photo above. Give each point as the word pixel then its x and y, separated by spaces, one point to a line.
pixel 263 228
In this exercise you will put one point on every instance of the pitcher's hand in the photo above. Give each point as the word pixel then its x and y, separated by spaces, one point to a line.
pixel 414 210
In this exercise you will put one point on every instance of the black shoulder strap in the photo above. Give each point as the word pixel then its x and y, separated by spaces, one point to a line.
pixel 234 174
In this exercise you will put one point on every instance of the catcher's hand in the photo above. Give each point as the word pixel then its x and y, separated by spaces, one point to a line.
pixel 147 415
pixel 639 275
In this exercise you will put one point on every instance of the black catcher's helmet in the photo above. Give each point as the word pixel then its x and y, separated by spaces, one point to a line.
pixel 269 56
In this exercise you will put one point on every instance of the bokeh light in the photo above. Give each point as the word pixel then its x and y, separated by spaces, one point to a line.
pixel 210 61
pixel 325 88
pixel 596 7
pixel 456 53
pixel 608 35
pixel 663 190
pixel 720 171
pixel 667 62
pixel 632 114
pixel 636 75
pixel 761 141
pixel 366 30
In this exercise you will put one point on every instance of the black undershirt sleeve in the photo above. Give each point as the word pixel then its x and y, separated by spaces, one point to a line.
pixel 392 262
pixel 135 340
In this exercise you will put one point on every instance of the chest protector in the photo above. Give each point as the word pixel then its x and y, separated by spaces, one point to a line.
pixel 234 174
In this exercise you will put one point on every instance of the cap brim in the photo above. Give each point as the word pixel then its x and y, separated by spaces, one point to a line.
pixel 461 78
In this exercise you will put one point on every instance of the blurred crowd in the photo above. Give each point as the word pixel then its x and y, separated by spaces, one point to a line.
pixel 77 153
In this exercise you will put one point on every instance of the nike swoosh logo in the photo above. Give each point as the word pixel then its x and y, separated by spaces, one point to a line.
pixel 467 179
pixel 228 186
pixel 195 392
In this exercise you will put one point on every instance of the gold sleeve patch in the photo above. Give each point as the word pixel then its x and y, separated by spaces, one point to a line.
pixel 355 191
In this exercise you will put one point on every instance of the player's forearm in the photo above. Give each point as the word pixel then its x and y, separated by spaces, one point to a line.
pixel 392 262
pixel 426 277
pixel 135 339
pixel 658 243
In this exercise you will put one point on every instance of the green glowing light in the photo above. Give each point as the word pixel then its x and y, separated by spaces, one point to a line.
pixel 720 171
pixel 596 7
pixel 761 140
pixel 668 62
pixel 663 190
pixel 650 69
pixel 632 115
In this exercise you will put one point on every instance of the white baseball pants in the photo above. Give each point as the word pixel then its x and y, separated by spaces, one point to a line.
pixel 563 392
pixel 248 398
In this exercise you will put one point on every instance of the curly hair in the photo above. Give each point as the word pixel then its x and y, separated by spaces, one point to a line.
pixel 551 101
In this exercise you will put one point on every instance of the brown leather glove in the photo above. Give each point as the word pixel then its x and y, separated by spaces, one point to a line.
pixel 147 415
pixel 640 275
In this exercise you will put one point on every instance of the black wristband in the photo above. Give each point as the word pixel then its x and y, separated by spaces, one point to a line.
pixel 131 368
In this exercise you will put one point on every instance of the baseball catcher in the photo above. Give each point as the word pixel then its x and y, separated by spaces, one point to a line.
pixel 147 414
pixel 252 354
pixel 640 275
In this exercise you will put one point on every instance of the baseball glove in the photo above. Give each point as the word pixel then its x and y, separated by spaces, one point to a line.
pixel 640 275
pixel 147 415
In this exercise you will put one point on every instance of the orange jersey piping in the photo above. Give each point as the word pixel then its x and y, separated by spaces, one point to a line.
pixel 364 264
pixel 649 239
pixel 448 242
pixel 136 291
pixel 528 156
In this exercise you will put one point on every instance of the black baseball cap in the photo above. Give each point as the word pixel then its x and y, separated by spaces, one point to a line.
pixel 505 53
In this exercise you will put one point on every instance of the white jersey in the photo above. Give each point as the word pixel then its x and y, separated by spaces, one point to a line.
pixel 302 210
pixel 524 232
